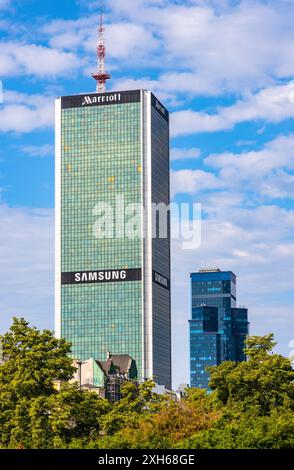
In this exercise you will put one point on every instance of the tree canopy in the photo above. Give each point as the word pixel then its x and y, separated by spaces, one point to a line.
pixel 249 405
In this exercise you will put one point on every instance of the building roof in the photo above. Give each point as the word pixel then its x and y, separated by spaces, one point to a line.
pixel 122 362
pixel 209 270
pixel 213 276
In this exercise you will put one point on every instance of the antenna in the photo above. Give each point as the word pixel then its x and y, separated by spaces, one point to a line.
pixel 101 76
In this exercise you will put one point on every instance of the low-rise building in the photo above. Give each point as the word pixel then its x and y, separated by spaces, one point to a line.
pixel 106 377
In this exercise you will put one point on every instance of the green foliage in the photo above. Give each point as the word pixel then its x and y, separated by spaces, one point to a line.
pixel 136 402
pixel 263 383
pixel 250 404
pixel 70 415
pixel 34 360
pixel 247 431
pixel 162 427
pixel 32 413
pixel 259 346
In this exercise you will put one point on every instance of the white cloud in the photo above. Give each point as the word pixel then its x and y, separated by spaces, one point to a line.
pixel 210 48
pixel 38 151
pixel 27 263
pixel 270 105
pixel 184 153
pixel 278 185
pixel 32 59
pixel 25 113
pixel 263 173
pixel 188 84
pixel 7 65
pixel 266 171
pixel 145 84
pixel 66 40
pixel 224 49
pixel 135 9
pixel 192 181
pixel 127 41
pixel 278 153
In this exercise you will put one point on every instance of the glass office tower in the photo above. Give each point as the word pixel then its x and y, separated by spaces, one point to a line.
pixel 205 344
pixel 113 289
pixel 240 329
pixel 212 342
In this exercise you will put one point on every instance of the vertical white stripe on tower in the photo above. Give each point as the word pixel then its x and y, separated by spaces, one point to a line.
pixel 147 230
pixel 58 218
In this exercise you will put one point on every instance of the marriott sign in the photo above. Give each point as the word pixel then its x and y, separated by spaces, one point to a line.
pixel 96 99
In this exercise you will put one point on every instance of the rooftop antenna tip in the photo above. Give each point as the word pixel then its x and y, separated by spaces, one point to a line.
pixel 101 76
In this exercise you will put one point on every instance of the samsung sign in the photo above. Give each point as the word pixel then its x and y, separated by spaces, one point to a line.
pixel 108 275
pixel 161 280
pixel 100 99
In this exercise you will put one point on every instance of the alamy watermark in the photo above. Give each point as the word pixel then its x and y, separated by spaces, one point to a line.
pixel 121 220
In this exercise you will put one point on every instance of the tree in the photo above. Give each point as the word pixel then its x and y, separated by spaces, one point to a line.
pixel 32 413
pixel 247 431
pixel 256 401
pixel 250 404
pixel 265 381
pixel 33 360
pixel 69 416
pixel 167 428
pixel 137 401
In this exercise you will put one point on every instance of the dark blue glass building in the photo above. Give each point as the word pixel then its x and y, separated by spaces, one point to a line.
pixel 205 343
pixel 217 328
pixel 240 331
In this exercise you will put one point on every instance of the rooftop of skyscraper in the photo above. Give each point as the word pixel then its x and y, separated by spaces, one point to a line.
pixel 213 274
pixel 209 270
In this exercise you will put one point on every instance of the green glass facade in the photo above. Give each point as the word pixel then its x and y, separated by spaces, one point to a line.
pixel 100 158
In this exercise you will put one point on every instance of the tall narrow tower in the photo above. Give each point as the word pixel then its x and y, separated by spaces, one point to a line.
pixel 113 291
pixel 101 76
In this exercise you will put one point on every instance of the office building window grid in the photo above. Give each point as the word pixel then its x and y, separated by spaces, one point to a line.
pixel 101 160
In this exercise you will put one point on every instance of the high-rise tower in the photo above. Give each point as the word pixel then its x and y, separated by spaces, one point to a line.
pixel 217 327
pixel 113 288
pixel 113 293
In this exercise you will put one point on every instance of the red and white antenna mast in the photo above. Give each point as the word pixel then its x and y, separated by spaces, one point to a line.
pixel 101 76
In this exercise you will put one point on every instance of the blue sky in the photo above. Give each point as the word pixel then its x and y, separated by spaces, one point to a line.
pixel 224 69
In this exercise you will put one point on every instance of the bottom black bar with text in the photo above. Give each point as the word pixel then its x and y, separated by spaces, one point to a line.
pixel 140 458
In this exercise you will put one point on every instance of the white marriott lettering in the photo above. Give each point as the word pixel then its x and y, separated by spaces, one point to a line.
pixel 88 100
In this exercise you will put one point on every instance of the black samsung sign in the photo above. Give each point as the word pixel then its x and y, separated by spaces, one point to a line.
pixel 100 99
pixel 111 275
pixel 107 275
pixel 161 280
